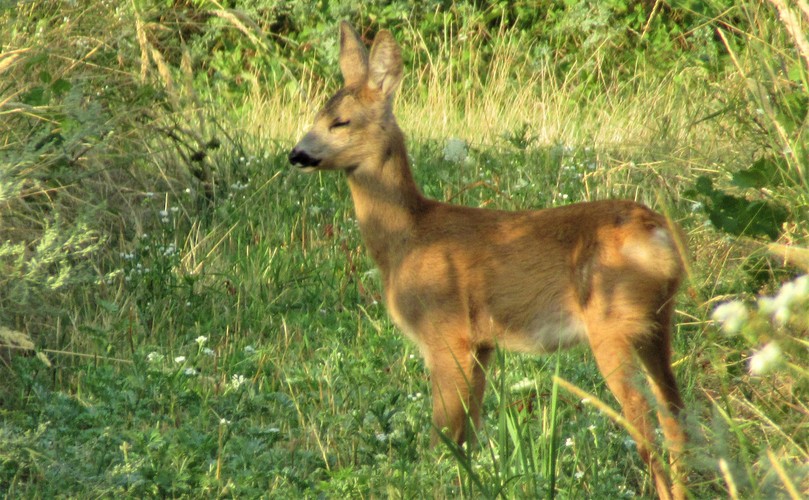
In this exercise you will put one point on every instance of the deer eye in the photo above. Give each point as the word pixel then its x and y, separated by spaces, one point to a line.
pixel 337 123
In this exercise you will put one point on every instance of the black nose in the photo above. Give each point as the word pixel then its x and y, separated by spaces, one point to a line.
pixel 302 158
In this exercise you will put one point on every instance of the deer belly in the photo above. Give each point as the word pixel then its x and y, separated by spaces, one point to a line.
pixel 546 334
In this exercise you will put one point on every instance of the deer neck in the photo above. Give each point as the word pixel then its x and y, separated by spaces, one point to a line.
pixel 387 203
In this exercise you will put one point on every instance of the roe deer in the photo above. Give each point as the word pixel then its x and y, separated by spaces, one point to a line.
pixel 460 281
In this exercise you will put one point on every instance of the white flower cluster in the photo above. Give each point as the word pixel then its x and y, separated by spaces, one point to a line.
pixel 456 150
pixel 733 316
pixel 236 381
pixel 168 251
pixel 524 385
pixel 791 293
pixel 414 397
pixel 765 359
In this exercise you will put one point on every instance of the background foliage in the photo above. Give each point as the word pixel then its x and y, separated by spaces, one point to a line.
pixel 182 314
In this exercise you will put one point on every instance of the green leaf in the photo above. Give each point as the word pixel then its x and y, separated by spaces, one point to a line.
pixel 108 306
pixel 35 97
pixel 741 217
pixel 724 213
pixel 704 185
pixel 765 219
pixel 795 106
pixel 765 172
pixel 60 87
pixel 795 71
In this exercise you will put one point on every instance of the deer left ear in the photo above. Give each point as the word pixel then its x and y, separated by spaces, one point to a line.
pixel 353 55
pixel 385 66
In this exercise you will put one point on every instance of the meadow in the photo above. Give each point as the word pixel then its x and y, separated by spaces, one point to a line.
pixel 183 314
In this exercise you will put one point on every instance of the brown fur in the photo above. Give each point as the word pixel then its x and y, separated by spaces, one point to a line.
pixel 460 281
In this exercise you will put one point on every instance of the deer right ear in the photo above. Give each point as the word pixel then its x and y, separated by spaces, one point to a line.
pixel 353 56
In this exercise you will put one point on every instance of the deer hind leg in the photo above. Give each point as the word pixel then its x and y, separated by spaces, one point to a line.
pixel 458 373
pixel 613 352
pixel 482 357
pixel 655 355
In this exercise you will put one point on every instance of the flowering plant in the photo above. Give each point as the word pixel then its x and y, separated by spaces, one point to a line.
pixel 773 323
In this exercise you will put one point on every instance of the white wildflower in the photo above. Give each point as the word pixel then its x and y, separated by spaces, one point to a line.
pixel 381 437
pixel 201 340
pixel 154 357
pixel 236 381
pixel 792 292
pixel 274 430
pixel 579 474
pixel 248 349
pixel 414 397
pixel 455 150
pixel 731 316
pixel 766 359
pixel 224 421
pixel 569 442
pixel 797 289
pixel 523 385
pixel 190 371
pixel 179 359
pixel 208 351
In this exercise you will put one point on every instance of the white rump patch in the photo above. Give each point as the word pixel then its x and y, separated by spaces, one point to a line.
pixel 652 254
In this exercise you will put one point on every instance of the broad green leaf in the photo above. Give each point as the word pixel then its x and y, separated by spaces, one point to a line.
pixel 765 172
pixel 35 97
pixel 60 87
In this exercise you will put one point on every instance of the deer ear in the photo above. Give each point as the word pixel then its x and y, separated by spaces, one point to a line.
pixel 353 55
pixel 385 66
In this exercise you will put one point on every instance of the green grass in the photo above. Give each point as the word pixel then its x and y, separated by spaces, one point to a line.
pixel 220 332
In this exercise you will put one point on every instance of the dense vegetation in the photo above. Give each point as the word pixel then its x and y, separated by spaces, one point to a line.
pixel 183 314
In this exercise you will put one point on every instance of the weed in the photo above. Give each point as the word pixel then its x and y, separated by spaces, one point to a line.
pixel 212 326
